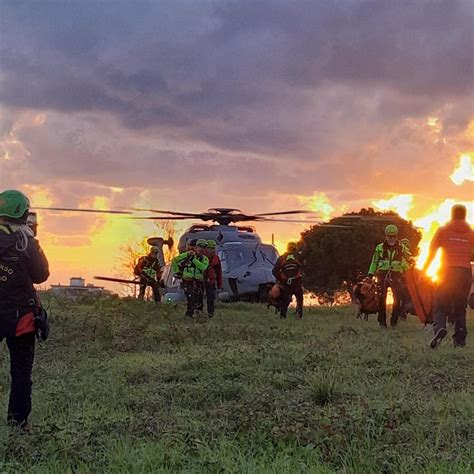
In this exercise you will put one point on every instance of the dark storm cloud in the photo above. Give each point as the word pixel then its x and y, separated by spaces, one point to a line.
pixel 236 74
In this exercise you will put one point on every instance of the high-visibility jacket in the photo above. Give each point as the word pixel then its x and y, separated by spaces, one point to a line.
pixel 148 267
pixel 394 258
pixel 190 266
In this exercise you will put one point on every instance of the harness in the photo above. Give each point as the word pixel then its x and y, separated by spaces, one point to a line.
pixel 291 270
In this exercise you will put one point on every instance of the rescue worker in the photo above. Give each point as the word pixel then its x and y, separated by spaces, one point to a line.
pixel 148 269
pixel 390 260
pixel 22 264
pixel 456 239
pixel 288 271
pixel 212 277
pixel 190 267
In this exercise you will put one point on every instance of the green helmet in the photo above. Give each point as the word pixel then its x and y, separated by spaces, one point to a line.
pixel 201 243
pixel 211 244
pixel 391 230
pixel 13 204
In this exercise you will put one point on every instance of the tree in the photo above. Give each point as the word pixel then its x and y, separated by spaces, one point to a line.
pixel 337 255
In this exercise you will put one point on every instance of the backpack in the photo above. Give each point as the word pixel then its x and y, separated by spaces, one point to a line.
pixel 291 268
pixel 366 297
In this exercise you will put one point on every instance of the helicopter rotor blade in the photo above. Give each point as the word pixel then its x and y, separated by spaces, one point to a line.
pixel 172 213
pixel 302 221
pixel 161 218
pixel 282 213
pixel 96 211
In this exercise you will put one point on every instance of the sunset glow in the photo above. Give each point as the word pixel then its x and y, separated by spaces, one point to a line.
pixel 464 171
pixel 232 118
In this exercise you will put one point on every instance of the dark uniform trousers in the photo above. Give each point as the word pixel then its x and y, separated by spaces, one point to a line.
pixel 155 286
pixel 210 297
pixel 396 282
pixel 194 292
pixel 451 301
pixel 295 287
pixel 22 353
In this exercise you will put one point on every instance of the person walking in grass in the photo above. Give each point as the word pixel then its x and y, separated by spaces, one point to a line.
pixel 22 264
pixel 390 260
pixel 148 269
pixel 456 241
pixel 213 276
pixel 288 272
pixel 190 266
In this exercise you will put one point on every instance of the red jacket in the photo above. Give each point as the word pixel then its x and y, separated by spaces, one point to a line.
pixel 214 271
pixel 456 239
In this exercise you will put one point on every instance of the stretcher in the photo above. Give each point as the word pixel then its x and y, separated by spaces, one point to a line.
pixel 421 289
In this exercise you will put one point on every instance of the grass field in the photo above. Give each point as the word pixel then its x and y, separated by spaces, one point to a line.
pixel 125 386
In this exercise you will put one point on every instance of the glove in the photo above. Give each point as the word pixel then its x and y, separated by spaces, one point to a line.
pixel 41 324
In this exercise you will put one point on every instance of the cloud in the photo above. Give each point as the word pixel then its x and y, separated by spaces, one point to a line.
pixel 235 103
pixel 244 72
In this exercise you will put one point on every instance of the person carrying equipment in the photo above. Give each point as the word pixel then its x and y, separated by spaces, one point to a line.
pixel 22 264
pixel 390 260
pixel 288 271
pixel 456 240
pixel 212 276
pixel 148 269
pixel 190 266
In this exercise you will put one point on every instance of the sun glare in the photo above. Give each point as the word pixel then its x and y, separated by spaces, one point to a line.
pixel 401 204
pixel 464 170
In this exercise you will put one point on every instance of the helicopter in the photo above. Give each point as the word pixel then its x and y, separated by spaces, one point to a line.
pixel 247 262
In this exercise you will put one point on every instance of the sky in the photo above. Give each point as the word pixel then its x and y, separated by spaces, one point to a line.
pixel 262 106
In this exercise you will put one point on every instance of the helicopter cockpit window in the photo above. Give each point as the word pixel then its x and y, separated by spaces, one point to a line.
pixel 235 257
pixel 268 253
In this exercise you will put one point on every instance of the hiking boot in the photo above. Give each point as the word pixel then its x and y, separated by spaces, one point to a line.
pixel 438 337
pixel 459 342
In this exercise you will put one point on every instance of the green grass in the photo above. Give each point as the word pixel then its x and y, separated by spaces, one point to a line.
pixel 125 386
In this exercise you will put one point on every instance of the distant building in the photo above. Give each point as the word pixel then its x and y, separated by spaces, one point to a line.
pixel 77 287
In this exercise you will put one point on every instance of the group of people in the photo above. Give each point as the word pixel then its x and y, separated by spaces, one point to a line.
pixel 200 271
pixel 392 259
pixel 23 264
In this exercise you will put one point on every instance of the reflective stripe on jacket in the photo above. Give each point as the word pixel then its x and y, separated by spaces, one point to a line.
pixel 387 258
pixel 190 266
